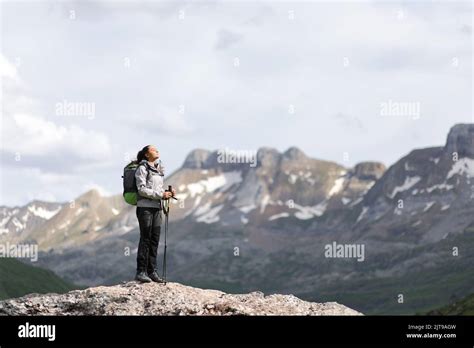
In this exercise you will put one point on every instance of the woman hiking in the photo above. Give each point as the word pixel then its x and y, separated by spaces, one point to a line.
pixel 149 178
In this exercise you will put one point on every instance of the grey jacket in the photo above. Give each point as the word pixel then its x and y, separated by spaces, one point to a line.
pixel 149 184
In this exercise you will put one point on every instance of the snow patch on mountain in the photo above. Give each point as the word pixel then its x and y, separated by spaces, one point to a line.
pixel 211 215
pixel 19 226
pixel 308 212
pixel 4 220
pixel 278 216
pixel 264 203
pixel 203 209
pixel 247 208
pixel 302 176
pixel 428 206
pixel 445 207
pixel 345 200
pixel 338 185
pixel 464 166
pixel 219 182
pixel 442 186
pixel 357 201
pixel 362 214
pixel 410 181
pixel 408 167
pixel 43 213
pixel 292 178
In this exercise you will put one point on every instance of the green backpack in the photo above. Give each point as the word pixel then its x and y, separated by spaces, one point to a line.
pixel 130 191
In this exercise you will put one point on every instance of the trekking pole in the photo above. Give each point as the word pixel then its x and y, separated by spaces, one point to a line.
pixel 166 210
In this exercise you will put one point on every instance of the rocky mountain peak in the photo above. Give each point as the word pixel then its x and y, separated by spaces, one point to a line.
pixel 133 298
pixel 294 153
pixel 461 140
pixel 90 196
pixel 196 159
pixel 268 156
pixel 369 170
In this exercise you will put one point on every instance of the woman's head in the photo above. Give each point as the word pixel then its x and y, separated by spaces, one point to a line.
pixel 149 153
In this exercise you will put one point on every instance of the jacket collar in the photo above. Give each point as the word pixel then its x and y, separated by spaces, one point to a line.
pixel 152 167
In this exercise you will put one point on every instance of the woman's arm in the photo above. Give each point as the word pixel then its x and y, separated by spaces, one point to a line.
pixel 140 175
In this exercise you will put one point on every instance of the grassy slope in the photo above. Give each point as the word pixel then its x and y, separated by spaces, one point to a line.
pixel 461 307
pixel 18 279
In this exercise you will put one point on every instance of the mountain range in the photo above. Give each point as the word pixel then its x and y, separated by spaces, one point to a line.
pixel 239 227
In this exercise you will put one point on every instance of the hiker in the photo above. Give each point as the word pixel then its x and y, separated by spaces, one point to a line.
pixel 149 178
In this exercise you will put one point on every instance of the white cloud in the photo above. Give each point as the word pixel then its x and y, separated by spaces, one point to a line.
pixel 36 184
pixel 7 69
pixel 93 186
pixel 227 38
pixel 175 62
pixel 45 185
pixel 35 136
pixel 166 120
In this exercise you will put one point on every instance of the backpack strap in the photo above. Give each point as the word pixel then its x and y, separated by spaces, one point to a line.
pixel 147 170
pixel 147 177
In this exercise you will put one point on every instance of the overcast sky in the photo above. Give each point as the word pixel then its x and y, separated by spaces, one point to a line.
pixel 242 75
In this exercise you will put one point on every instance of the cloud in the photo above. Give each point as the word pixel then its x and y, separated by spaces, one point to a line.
pixel 350 122
pixel 43 143
pixel 260 15
pixel 166 121
pixel 36 184
pixel 7 69
pixel 227 38
pixel 100 10
pixel 94 186
pixel 466 29
pixel 190 61
pixel 33 141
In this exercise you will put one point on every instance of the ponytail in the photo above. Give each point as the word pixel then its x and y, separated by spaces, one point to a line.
pixel 141 154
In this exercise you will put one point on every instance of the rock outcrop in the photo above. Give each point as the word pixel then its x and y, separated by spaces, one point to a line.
pixel 461 140
pixel 133 298
pixel 369 170
pixel 196 159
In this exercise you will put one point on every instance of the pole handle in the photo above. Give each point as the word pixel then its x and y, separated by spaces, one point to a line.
pixel 170 189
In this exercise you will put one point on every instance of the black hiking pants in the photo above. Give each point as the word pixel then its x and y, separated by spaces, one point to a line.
pixel 149 220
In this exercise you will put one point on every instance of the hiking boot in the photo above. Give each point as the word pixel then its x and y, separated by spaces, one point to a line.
pixel 155 277
pixel 142 277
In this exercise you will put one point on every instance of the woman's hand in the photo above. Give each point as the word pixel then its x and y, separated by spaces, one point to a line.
pixel 167 195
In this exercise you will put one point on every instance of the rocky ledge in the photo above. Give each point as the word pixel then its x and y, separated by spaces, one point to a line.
pixel 133 298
